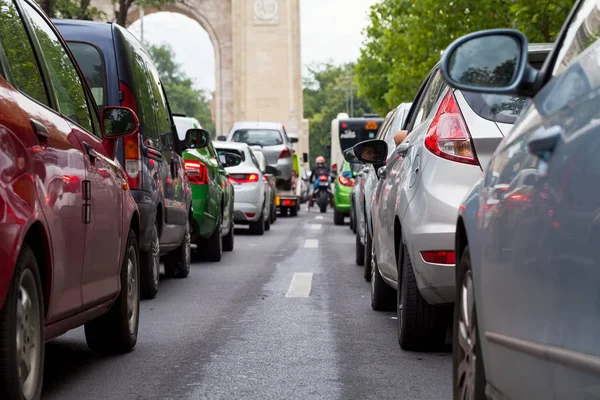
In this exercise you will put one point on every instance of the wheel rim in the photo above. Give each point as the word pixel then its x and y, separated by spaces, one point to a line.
pixel 467 340
pixel 28 339
pixel 186 244
pixel 132 291
pixel 155 257
pixel 373 266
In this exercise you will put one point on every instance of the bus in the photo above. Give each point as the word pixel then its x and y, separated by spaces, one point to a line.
pixel 346 132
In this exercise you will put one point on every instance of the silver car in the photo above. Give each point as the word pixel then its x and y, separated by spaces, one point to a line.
pixel 250 205
pixel 276 146
pixel 452 134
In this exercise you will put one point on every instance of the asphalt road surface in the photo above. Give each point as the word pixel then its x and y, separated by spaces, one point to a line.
pixel 284 316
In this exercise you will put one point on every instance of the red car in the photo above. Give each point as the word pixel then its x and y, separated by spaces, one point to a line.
pixel 68 223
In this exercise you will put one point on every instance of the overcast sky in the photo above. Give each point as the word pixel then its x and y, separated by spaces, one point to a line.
pixel 331 31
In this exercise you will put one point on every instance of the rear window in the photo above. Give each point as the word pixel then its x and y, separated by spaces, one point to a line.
pixel 91 63
pixel 263 137
pixel 497 108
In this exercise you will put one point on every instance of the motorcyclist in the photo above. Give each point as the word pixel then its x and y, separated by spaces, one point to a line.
pixel 319 169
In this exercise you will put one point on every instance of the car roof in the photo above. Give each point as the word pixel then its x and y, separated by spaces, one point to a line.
pixel 257 125
pixel 230 145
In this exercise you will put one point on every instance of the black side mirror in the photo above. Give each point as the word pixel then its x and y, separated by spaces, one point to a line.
pixel 293 140
pixel 197 138
pixel 222 138
pixel 118 122
pixel 304 157
pixel 351 157
pixel 371 151
pixel 272 170
pixel 230 159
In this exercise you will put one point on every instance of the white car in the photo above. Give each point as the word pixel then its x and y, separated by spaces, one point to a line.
pixel 183 123
pixel 248 182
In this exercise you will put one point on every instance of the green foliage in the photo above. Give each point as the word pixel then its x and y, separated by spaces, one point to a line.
pixel 405 38
pixel 77 9
pixel 183 97
pixel 125 5
pixel 326 94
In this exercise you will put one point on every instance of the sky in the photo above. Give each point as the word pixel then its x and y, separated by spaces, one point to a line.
pixel 331 32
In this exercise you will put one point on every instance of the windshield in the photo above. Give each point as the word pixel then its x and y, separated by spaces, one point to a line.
pixel 262 137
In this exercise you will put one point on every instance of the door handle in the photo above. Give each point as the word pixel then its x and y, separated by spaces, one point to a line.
pixel 92 154
pixel 544 142
pixel 39 129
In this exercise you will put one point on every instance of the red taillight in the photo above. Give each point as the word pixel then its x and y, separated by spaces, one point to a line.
pixel 265 178
pixel 196 172
pixel 345 181
pixel 285 153
pixel 244 178
pixel 131 144
pixel 448 136
pixel 439 257
pixel 323 178
pixel 250 215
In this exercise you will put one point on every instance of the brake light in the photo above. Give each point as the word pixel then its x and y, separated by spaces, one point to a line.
pixel 439 257
pixel 345 181
pixel 196 172
pixel 127 99
pixel 131 144
pixel 448 136
pixel 285 153
pixel 323 178
pixel 244 178
pixel 334 167
pixel 265 178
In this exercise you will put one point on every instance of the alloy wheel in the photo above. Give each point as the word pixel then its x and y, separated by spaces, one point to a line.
pixel 467 340
pixel 132 291
pixel 155 258
pixel 187 241
pixel 28 338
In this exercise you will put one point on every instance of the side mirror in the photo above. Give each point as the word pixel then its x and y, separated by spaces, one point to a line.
pixel 371 151
pixel 197 138
pixel 305 157
pixel 272 170
pixel 293 139
pixel 489 61
pixel 230 159
pixel 118 122
pixel 350 157
pixel 222 138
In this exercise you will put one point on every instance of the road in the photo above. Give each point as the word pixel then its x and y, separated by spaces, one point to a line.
pixel 229 331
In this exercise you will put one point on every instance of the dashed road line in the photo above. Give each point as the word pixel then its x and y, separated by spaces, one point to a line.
pixel 318 217
pixel 311 243
pixel 315 227
pixel 300 285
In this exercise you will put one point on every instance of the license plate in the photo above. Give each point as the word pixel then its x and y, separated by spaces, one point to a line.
pixel 277 201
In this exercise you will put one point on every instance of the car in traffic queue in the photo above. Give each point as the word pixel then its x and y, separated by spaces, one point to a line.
pixel 451 136
pixel 270 186
pixel 342 189
pixel 120 72
pixel 183 123
pixel 250 206
pixel 69 226
pixel 276 145
pixel 365 192
pixel 529 227
pixel 212 226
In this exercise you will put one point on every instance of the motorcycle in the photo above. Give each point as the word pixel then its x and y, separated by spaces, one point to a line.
pixel 322 193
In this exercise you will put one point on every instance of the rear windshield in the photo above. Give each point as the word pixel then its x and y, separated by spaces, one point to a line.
pixel 90 61
pixel 263 137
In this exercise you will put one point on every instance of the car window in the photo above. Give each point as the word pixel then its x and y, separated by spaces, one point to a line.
pixel 163 118
pixel 434 91
pixel 91 63
pixel 583 31
pixel 21 59
pixel 263 137
pixel 415 115
pixel 63 74
pixel 253 158
pixel 231 151
pixel 385 127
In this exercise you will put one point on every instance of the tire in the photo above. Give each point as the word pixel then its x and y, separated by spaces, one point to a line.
pixel 475 375
pixel 352 219
pixel 323 209
pixel 360 251
pixel 26 279
pixel 268 224
pixel 338 217
pixel 293 212
pixel 177 262
pixel 283 211
pixel 258 227
pixel 421 326
pixel 214 244
pixel 150 267
pixel 383 297
pixel 368 255
pixel 117 330
pixel 274 212
pixel 228 240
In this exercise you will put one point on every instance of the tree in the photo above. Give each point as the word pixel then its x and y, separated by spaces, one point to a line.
pixel 405 38
pixel 326 94
pixel 125 5
pixel 75 9
pixel 183 97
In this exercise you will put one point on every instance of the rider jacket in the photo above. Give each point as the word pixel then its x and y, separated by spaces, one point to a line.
pixel 318 170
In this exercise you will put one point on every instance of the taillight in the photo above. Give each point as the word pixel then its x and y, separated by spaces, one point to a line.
pixel 131 144
pixel 345 181
pixel 244 178
pixel 285 153
pixel 323 178
pixel 196 172
pixel 439 257
pixel 127 99
pixel 265 178
pixel 448 136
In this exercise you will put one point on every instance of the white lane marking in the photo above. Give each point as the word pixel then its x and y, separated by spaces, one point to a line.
pixel 315 227
pixel 318 217
pixel 301 285
pixel 311 243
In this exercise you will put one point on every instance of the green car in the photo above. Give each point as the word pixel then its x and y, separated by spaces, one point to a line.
pixel 342 190
pixel 212 196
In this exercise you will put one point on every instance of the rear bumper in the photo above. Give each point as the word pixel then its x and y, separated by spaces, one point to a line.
pixel 285 166
pixel 241 212
pixel 341 198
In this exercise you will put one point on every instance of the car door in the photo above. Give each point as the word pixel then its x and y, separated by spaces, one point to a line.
pixel 226 188
pixel 215 183
pixel 102 195
pixel 56 154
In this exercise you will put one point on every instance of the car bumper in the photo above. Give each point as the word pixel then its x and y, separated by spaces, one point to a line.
pixel 245 212
pixel 202 223
pixel 341 198
pixel 285 166
pixel 248 200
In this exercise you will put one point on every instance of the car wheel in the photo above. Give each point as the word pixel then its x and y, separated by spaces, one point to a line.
pixel 22 332
pixel 421 326
pixel 117 330
pixel 150 267
pixel 274 211
pixel 352 219
pixel 228 240
pixel 177 262
pixel 258 227
pixel 323 208
pixel 360 251
pixel 467 360
pixel 268 224
pixel 368 255
pixel 214 244
pixel 338 217
pixel 383 297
